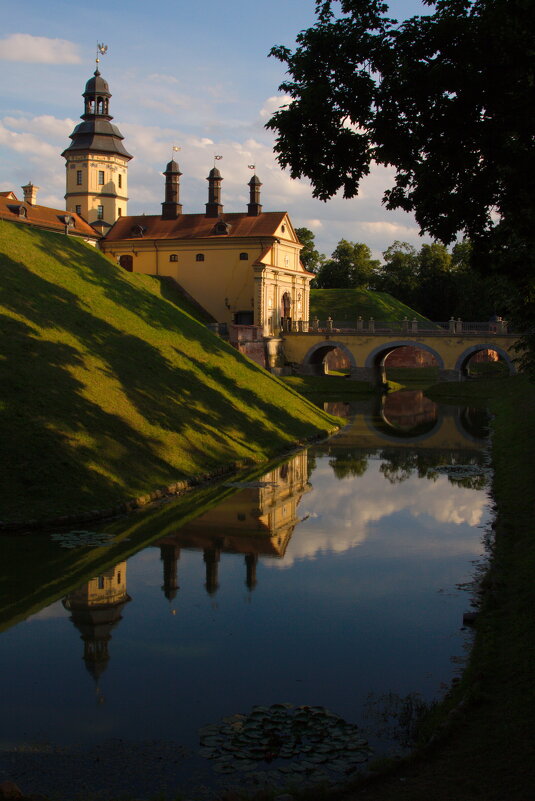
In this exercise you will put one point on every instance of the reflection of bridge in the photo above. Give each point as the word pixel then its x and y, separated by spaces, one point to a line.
pixel 450 428
pixel 451 344
pixel 257 521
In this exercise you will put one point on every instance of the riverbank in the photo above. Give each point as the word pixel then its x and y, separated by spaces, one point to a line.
pixel 113 390
pixel 479 742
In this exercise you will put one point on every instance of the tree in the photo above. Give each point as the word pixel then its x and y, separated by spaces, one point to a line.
pixel 447 99
pixel 350 265
pixel 311 258
pixel 398 274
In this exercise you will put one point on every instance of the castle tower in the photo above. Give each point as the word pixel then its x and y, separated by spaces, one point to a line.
pixel 96 161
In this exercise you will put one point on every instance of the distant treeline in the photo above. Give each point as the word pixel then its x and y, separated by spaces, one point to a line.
pixel 434 281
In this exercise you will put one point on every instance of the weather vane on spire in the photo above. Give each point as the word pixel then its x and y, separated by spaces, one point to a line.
pixel 217 158
pixel 176 148
pixel 102 49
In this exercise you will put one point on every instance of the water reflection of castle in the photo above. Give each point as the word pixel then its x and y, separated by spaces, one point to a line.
pixel 256 521
pixel 96 609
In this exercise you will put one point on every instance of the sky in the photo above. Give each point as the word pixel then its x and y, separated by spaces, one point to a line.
pixel 192 75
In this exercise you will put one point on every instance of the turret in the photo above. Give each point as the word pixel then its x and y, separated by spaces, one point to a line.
pixel 254 208
pixel 214 207
pixel 171 207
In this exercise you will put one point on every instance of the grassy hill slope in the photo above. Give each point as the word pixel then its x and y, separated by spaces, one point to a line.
pixel 109 390
pixel 348 304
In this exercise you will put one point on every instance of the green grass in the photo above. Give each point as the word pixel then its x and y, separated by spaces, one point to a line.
pixel 412 377
pixel 348 304
pixel 110 390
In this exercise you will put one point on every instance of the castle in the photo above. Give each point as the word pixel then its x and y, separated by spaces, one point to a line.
pixel 242 267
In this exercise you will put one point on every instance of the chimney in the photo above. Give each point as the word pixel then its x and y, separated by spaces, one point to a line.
pixel 171 208
pixel 30 193
pixel 254 208
pixel 214 207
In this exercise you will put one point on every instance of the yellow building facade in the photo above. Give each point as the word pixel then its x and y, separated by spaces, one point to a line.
pixel 243 268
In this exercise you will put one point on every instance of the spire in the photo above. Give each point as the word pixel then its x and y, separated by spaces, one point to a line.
pixel 171 207
pixel 214 207
pixel 254 207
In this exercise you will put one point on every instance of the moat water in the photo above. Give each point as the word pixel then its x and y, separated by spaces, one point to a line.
pixel 286 635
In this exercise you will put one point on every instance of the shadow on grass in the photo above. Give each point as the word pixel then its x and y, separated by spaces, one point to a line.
pixel 89 403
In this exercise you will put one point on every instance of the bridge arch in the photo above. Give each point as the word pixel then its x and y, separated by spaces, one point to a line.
pixel 376 357
pixel 313 359
pixel 466 355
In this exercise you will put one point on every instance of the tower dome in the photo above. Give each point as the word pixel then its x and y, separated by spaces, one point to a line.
pixel 97 85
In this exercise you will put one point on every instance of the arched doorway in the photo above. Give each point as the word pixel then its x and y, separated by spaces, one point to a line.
pixel 286 312
pixel 127 263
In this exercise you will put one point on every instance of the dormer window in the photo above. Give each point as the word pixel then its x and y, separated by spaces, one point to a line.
pixel 22 211
pixel 199 257
pixel 244 257
pixel 68 220
pixel 173 257
pixel 222 227
pixel 137 230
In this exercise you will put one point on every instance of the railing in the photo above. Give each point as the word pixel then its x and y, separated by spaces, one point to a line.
pixel 404 327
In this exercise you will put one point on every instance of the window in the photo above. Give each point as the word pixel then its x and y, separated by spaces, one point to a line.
pixel 244 257
pixel 199 257
pixel 120 181
pixel 118 577
pixel 101 177
pixel 119 212
pixel 173 257
pixel 78 209
pixel 101 582
pixel 283 229
pixel 79 177
pixel 100 212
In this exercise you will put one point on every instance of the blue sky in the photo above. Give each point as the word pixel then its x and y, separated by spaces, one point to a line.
pixel 186 74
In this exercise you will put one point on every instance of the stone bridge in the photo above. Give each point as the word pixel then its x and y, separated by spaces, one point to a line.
pixel 452 344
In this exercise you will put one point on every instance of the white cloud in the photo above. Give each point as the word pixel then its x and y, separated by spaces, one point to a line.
pixel 38 49
pixel 391 229
pixel 342 515
pixel 26 143
pixel 273 104
pixel 44 125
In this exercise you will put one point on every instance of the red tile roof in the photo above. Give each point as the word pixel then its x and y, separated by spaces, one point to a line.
pixel 195 226
pixel 43 217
